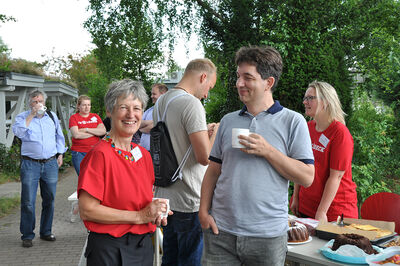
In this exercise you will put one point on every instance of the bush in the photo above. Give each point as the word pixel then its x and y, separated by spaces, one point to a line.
pixel 10 159
pixel 373 131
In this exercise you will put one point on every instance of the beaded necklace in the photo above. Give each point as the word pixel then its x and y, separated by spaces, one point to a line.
pixel 119 151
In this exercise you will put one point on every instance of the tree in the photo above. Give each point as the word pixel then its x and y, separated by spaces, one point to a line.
pixel 305 32
pixel 128 43
pixel 4 18
pixel 82 72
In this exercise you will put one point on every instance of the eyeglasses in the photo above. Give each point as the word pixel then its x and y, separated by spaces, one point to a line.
pixel 309 98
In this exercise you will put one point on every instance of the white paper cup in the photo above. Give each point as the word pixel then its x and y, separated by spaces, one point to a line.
pixel 235 133
pixel 164 214
pixel 42 109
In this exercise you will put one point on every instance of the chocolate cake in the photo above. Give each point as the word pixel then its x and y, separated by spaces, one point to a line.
pixel 297 232
pixel 354 239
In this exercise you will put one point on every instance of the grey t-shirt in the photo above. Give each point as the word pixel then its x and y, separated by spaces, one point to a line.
pixel 251 197
pixel 185 115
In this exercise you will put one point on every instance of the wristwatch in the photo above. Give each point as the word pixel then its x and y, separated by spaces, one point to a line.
pixel 87 130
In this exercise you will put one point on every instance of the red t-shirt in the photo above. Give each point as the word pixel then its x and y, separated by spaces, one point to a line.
pixel 91 121
pixel 333 149
pixel 118 183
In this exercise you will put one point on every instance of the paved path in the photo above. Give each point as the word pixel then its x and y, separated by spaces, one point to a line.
pixel 66 250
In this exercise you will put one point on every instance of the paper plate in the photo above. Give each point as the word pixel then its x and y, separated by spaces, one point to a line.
pixel 333 255
pixel 301 243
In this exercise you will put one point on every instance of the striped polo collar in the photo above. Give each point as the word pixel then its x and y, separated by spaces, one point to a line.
pixel 276 107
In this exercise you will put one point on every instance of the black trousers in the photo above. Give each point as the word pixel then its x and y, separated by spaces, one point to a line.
pixel 129 249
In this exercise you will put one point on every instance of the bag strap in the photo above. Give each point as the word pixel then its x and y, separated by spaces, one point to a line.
pixel 166 107
pixel 181 165
pixel 186 156
pixel 51 116
pixel 55 126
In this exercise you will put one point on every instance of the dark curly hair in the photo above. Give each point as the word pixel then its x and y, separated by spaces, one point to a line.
pixel 266 59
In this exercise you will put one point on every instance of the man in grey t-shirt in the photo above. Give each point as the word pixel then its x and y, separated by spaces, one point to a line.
pixel 186 122
pixel 244 198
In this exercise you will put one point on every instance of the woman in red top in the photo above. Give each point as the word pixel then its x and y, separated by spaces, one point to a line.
pixel 115 186
pixel 85 128
pixel 333 191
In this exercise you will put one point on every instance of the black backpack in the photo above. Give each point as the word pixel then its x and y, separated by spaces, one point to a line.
pixel 166 167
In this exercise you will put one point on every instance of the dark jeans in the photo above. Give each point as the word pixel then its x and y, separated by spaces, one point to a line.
pixel 183 240
pixel 32 174
pixel 77 158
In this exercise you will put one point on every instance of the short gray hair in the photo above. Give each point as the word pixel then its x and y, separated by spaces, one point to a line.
pixel 36 93
pixel 125 88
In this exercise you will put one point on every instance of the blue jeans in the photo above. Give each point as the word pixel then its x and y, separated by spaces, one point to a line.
pixel 230 250
pixel 77 158
pixel 32 173
pixel 183 240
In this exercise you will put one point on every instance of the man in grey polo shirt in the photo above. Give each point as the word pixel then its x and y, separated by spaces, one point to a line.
pixel 244 194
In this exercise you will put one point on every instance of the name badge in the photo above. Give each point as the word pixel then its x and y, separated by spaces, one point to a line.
pixel 323 140
pixel 136 153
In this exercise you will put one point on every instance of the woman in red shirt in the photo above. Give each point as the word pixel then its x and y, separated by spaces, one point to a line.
pixel 115 186
pixel 85 128
pixel 333 191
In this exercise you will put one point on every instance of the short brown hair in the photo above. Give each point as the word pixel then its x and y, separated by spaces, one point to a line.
pixel 266 59
pixel 161 87
pixel 201 64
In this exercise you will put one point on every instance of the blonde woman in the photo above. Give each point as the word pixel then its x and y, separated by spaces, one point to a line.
pixel 85 128
pixel 333 191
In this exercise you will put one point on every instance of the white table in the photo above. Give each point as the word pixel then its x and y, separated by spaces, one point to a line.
pixel 309 254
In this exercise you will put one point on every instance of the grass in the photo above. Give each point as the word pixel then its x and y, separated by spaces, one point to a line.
pixel 8 205
pixel 8 177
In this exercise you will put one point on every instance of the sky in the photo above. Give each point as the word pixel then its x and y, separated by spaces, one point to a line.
pixel 47 28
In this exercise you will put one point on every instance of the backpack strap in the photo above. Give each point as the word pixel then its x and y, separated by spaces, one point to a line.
pixel 166 107
pixel 178 172
pixel 181 165
pixel 51 116
pixel 55 125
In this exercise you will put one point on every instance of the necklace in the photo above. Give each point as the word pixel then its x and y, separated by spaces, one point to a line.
pixel 119 151
pixel 180 88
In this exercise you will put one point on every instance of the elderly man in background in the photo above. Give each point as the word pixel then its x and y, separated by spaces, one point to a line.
pixel 157 90
pixel 42 147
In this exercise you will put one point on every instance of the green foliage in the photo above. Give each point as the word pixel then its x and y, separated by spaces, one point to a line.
pixel 5 63
pixel 67 160
pixel 98 85
pixel 20 66
pixel 374 159
pixel 382 70
pixel 4 18
pixel 3 47
pixel 81 71
pixel 308 34
pixel 10 160
pixel 128 44
pixel 7 205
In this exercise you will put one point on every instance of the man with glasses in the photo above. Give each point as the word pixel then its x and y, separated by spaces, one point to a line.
pixel 42 147
pixel 244 195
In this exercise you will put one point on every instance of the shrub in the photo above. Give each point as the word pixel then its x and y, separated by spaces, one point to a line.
pixel 10 159
pixel 373 132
